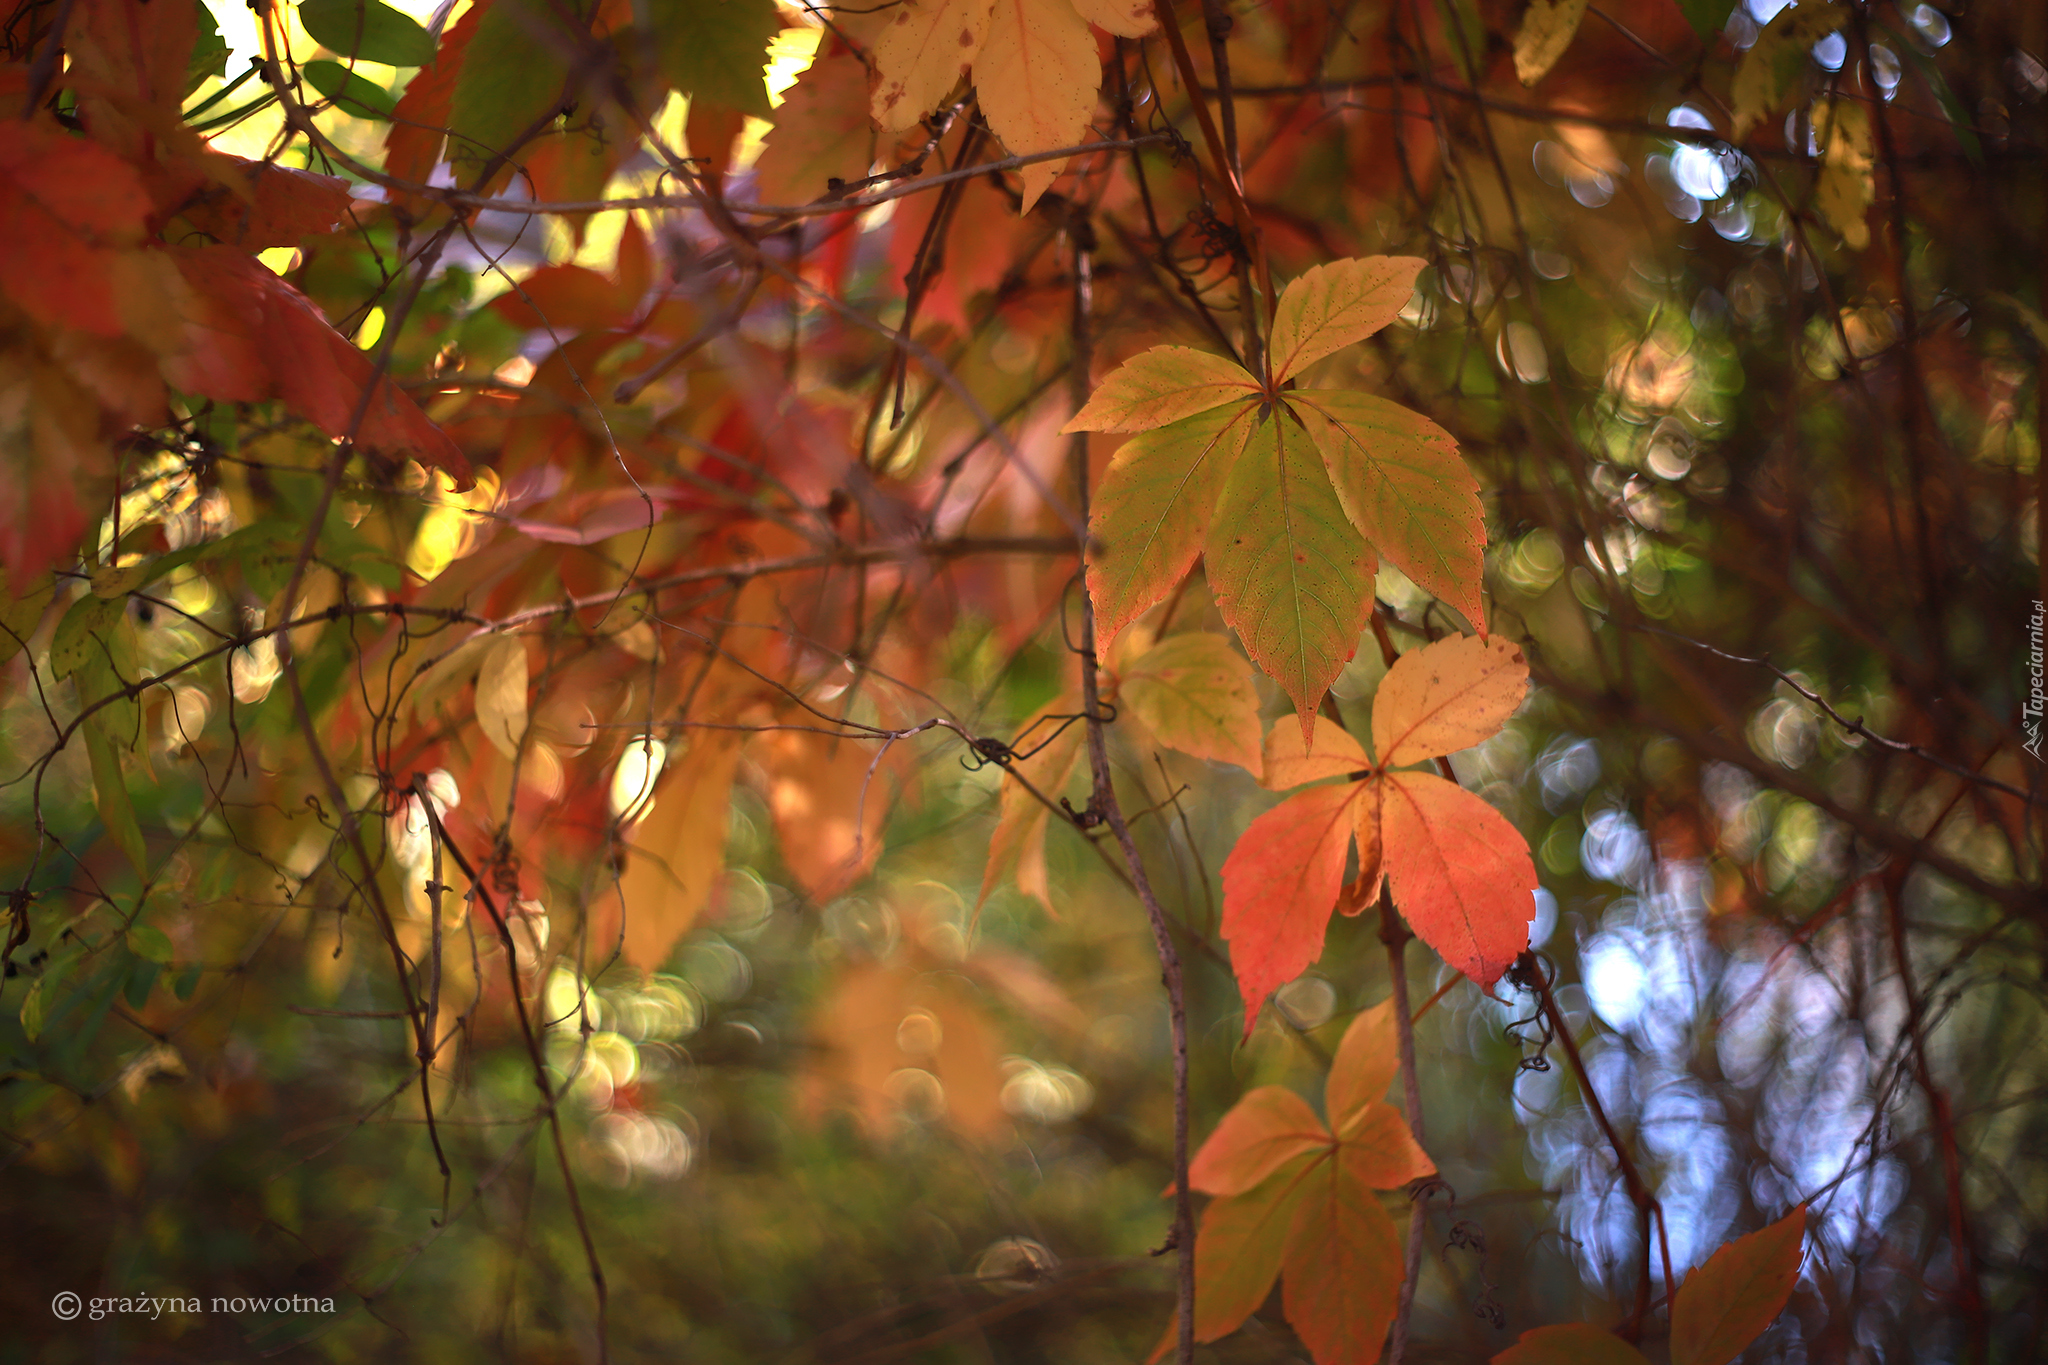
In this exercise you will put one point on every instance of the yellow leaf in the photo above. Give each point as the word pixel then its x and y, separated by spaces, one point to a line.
pixel 501 694
pixel 828 806
pixel 1124 18
pixel 1037 78
pixel 1330 306
pixel 1845 190
pixel 1446 696
pixel 919 55
pixel 1547 30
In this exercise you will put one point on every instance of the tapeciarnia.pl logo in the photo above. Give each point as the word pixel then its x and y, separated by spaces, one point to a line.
pixel 2037 693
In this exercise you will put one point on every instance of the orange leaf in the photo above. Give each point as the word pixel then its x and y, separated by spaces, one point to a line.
pixel 1239 1249
pixel 1288 764
pixel 566 299
pixel 1460 872
pixel 919 55
pixel 1343 1267
pixel 821 133
pixel 263 205
pixel 1727 1303
pixel 1333 305
pixel 678 849
pixel 1036 76
pixel 1446 696
pixel 1364 1067
pixel 1383 1151
pixel 1159 386
pixel 67 208
pixel 1279 884
pixel 1571 1343
pixel 1018 846
pixel 255 337
pixel 828 808
pixel 1262 1132
pixel 1372 851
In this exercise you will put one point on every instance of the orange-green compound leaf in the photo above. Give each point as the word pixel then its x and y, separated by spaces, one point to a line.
pixel 511 77
pixel 1330 306
pixel 1036 77
pixel 1334 754
pixel 1570 1343
pixel 1239 1248
pixel 1367 1059
pixel 1018 847
pixel 919 55
pixel 1405 488
pixel 1264 1131
pixel 1742 1288
pixel 1278 886
pixel 1291 574
pixel 1459 871
pixel 1448 695
pixel 1159 386
pixel 1195 694
pixel 821 132
pixel 1152 512
pixel 1364 893
pixel 1343 1265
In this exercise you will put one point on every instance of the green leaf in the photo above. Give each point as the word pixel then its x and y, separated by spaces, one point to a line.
pixel 79 634
pixel 352 94
pixel 1403 485
pixel 187 981
pixel 511 78
pixel 1331 306
pixel 1195 694
pixel 716 50
pixel 19 616
pixel 209 52
pixel 1548 27
pixel 1570 1343
pixel 368 31
pixel 1152 511
pixel 1707 17
pixel 35 1007
pixel 1771 69
pixel 1291 574
pixel 110 795
pixel 1727 1303
pixel 1159 386
pixel 141 981
pixel 150 943
pixel 1343 1265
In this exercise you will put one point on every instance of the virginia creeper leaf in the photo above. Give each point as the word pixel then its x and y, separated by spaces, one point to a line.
pixel 1036 78
pixel 1364 892
pixel 110 797
pixel 66 206
pixel 919 55
pixel 677 850
pixel 1726 1303
pixel 1265 1130
pixel 367 31
pixel 1124 18
pixel 1278 886
pixel 1195 694
pixel 501 694
pixel 1448 695
pixel 1291 574
pixel 716 50
pixel 1460 872
pixel 1405 488
pixel 1366 1062
pixel 1159 386
pixel 1152 512
pixel 1343 1268
pixel 1382 1151
pixel 821 133
pixel 1018 846
pixel 1330 306
pixel 1239 1248
pixel 1289 764
pixel 1548 27
pixel 1570 1343
pixel 1771 69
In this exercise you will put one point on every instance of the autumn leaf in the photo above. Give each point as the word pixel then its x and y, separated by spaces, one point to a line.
pixel 715 50
pixel 1299 1200
pixel 1571 1343
pixel 1195 694
pixel 1726 1303
pixel 919 56
pixel 1548 27
pixel 676 852
pixel 821 133
pixel 1036 78
pixel 829 801
pixel 1458 870
pixel 1018 846
pixel 501 694
pixel 1312 485
pixel 1770 70
pixel 1846 188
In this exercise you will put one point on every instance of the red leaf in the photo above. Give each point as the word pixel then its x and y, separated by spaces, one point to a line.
pixel 1264 1131
pixel 1742 1288
pixel 1279 885
pixel 1460 872
pixel 66 208
pixel 566 299
pixel 1571 1343
pixel 1343 1265
pixel 277 205
pixel 255 337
